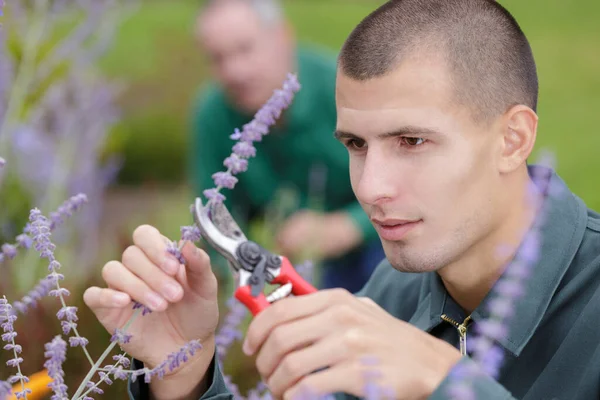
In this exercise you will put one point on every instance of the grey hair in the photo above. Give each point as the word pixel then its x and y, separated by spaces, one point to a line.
pixel 270 12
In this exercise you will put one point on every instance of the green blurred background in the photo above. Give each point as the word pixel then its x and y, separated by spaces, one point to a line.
pixel 155 55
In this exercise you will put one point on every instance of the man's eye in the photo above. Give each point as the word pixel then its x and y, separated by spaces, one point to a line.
pixel 413 141
pixel 355 144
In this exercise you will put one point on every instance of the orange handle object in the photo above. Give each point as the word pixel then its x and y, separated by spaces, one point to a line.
pixel 286 275
pixel 38 384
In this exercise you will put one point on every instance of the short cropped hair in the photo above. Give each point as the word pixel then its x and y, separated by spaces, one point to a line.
pixel 489 58
pixel 270 12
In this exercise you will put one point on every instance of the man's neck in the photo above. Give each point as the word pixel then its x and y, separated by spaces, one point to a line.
pixel 470 279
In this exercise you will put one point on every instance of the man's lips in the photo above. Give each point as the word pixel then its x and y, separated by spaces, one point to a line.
pixel 394 229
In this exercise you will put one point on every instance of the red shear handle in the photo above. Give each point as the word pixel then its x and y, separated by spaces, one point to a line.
pixel 254 304
pixel 288 274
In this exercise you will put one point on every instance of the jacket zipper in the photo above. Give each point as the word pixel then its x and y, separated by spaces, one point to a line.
pixel 462 331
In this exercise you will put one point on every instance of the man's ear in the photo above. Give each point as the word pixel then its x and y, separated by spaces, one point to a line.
pixel 519 130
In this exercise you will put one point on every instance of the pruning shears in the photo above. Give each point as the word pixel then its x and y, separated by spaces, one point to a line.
pixel 252 265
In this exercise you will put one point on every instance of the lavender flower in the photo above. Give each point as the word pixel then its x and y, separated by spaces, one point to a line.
pixel 55 353
pixel 145 310
pixel 40 229
pixel 175 251
pixel 120 336
pixel 173 361
pixel 252 132
pixel 191 233
pixel 5 390
pixel 67 209
pixel 230 330
pixel 25 241
pixel 7 320
pixel 487 354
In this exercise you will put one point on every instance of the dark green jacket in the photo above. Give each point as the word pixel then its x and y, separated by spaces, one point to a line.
pixel 301 145
pixel 552 351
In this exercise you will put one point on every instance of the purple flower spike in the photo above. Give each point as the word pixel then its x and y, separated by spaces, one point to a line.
pixel 251 132
pixel 214 195
pixel 145 310
pixel 236 135
pixel 55 353
pixel 5 389
pixel 173 361
pixel 502 305
pixel 9 251
pixel 24 241
pixel 67 209
pixel 236 164
pixel 191 233
pixel 75 341
pixel 67 326
pixel 7 320
pixel 224 179
pixel 68 313
pixel 244 150
pixel 174 251
pixel 120 336
pixel 121 359
pixel 493 329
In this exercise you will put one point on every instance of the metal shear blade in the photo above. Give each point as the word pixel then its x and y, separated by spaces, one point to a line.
pixel 219 229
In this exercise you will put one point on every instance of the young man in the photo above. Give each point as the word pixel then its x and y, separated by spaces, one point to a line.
pixel 436 104
pixel 250 49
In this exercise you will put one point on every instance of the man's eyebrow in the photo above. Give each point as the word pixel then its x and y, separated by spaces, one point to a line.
pixel 405 130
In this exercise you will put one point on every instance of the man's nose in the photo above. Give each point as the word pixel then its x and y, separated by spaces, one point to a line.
pixel 234 71
pixel 379 180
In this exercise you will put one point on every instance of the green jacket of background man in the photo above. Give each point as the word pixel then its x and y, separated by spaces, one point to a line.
pixel 552 350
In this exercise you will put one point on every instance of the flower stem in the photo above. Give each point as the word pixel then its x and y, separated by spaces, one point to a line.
pixel 64 304
pixel 108 371
pixel 95 367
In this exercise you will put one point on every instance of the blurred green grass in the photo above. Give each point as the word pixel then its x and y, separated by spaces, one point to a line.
pixel 156 53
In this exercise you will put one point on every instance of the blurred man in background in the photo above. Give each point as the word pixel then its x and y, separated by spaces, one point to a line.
pixel 250 49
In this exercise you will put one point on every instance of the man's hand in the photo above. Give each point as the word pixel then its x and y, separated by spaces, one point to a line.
pixel 184 304
pixel 335 330
pixel 321 235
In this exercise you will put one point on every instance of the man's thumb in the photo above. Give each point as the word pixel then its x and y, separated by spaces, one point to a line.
pixel 198 270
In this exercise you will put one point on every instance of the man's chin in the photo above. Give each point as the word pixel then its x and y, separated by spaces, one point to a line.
pixel 407 261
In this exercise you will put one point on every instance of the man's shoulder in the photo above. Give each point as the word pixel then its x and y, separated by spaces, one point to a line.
pixel 593 221
pixel 589 249
pixel 399 293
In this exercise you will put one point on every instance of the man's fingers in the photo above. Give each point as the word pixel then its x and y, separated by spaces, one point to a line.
pixel 326 353
pixel 154 245
pixel 96 298
pixel 291 336
pixel 118 277
pixel 347 377
pixel 197 260
pixel 288 310
pixel 137 262
pixel 108 305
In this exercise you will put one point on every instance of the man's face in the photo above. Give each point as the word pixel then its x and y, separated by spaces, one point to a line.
pixel 422 169
pixel 246 56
